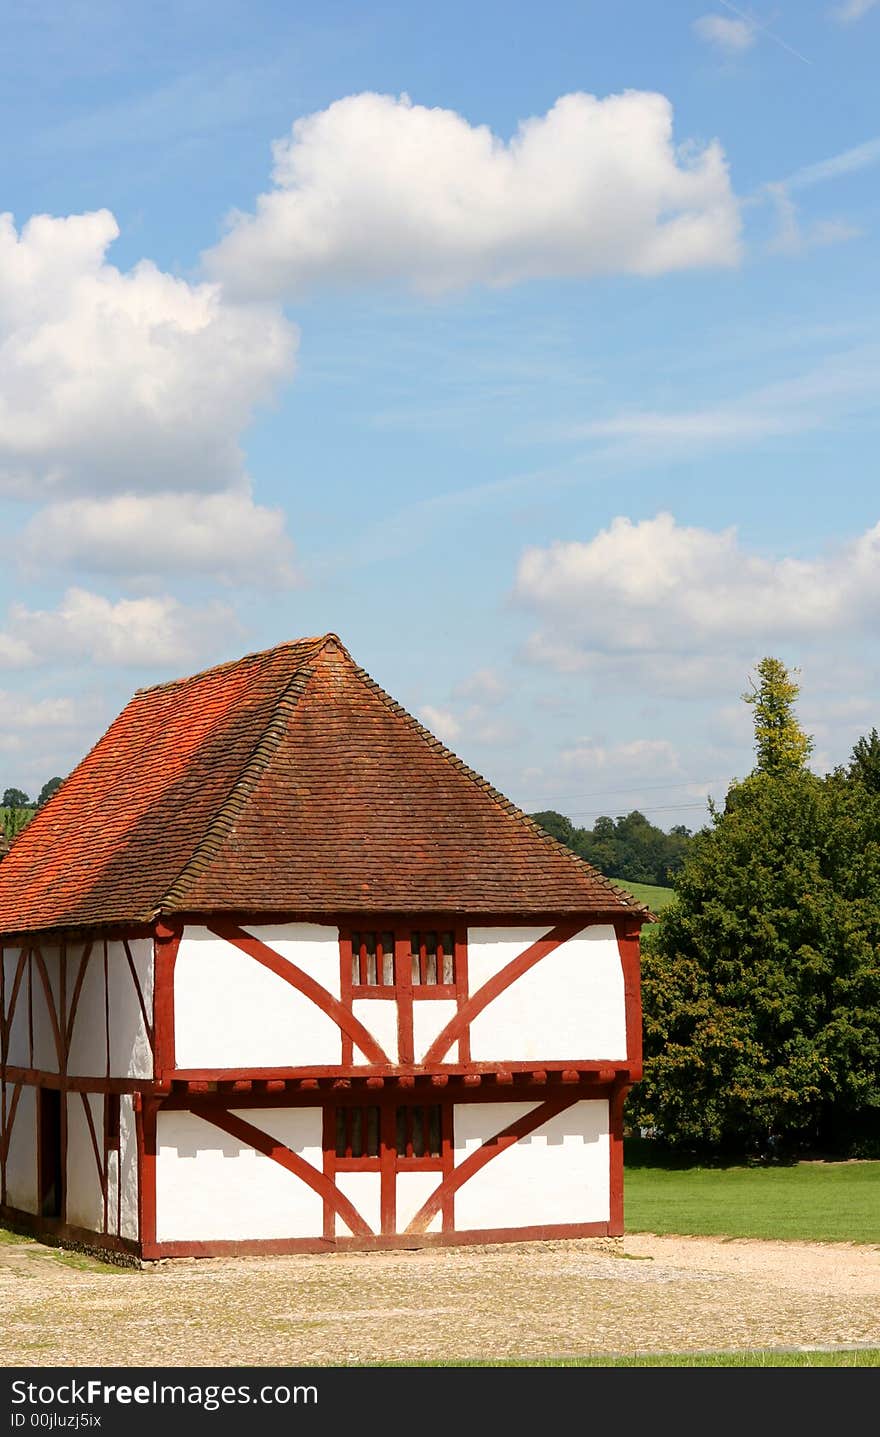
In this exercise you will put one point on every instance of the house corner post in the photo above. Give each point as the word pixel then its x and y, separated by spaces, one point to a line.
pixel 166 941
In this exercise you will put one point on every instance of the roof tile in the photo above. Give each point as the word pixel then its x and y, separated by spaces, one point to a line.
pixel 287 781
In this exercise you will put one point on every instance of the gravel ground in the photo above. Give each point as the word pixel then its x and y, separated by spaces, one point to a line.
pixel 523 1300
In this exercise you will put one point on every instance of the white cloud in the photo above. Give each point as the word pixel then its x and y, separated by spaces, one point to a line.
pixel 659 588
pixel 851 10
pixel 473 722
pixel 20 716
pixel 731 36
pixel 484 687
pixel 794 238
pixel 847 162
pixel 441 722
pixel 641 757
pixel 843 384
pixel 375 189
pixel 662 673
pixel 147 632
pixel 109 379
pixel 226 535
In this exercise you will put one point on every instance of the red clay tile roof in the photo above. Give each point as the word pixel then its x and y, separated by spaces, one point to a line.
pixel 286 782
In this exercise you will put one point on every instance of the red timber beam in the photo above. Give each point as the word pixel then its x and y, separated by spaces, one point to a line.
pixel 615 1157
pixel 459 1025
pixel 167 941
pixel 145 1121
pixel 630 957
pixel 283 968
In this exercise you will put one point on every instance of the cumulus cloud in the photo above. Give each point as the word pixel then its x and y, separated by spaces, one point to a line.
pixel 225 535
pixel 123 397
pixel 116 380
pixel 441 722
pixel 147 632
pixel 733 36
pixel 376 189
pixel 663 589
pixel 474 720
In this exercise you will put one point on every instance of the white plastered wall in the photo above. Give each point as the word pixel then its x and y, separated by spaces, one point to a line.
pixel 88 1044
pixel 379 1017
pixel 364 1191
pixel 230 1011
pixel 21 1160
pixel 18 1050
pixel 85 1200
pixel 558 1174
pixel 45 1050
pixel 128 1168
pixel 413 1189
pixel 131 1055
pixel 213 1187
pixel 570 1005
pixel 429 1020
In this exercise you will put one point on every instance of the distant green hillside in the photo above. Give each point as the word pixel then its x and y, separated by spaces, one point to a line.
pixel 650 893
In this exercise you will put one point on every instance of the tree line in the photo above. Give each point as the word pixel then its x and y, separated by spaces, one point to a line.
pixel 628 847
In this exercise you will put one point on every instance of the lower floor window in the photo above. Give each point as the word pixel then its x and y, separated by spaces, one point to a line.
pixel 418 1131
pixel 357 1132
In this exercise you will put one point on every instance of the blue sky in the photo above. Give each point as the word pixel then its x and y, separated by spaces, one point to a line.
pixel 532 349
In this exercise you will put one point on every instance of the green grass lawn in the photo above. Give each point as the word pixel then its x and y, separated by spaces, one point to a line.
pixel 650 893
pixel 810 1202
pixel 761 1357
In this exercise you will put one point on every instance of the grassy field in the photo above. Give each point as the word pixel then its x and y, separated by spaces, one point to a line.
pixel 808 1201
pixel 650 893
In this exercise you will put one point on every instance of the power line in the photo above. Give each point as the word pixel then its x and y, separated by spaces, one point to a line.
pixel 661 808
pixel 642 788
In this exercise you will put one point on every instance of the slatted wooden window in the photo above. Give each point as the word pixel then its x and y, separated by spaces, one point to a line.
pixel 432 958
pixel 357 1132
pixel 372 960
pixel 419 1131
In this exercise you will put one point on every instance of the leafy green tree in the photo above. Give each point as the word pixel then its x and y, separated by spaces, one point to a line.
pixel 15 798
pixel 864 764
pixel 761 981
pixel 49 787
pixel 781 746
pixel 557 825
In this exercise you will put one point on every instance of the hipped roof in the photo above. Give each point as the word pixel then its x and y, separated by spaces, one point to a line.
pixel 287 782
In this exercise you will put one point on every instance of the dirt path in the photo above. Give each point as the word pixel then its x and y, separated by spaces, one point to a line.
pixel 660 1294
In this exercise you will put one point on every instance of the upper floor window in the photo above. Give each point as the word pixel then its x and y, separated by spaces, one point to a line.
pixel 372 960
pixel 426 956
pixel 432 958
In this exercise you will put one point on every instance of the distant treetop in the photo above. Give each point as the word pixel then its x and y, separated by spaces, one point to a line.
pixel 781 746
